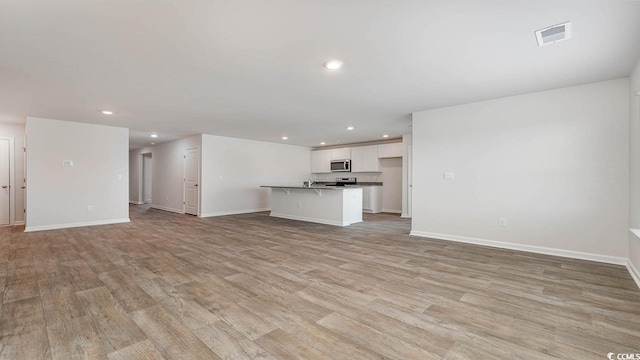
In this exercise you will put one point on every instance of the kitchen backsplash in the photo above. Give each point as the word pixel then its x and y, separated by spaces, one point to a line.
pixel 362 177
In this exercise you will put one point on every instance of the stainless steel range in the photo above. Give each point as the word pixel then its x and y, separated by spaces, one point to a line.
pixel 344 181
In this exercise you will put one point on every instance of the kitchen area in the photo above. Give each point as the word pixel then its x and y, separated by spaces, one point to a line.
pixel 344 183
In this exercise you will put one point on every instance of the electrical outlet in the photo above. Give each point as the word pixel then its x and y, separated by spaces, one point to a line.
pixel 89 207
pixel 502 222
pixel 449 176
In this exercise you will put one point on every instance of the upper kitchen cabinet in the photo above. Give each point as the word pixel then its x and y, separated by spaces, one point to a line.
pixel 321 161
pixel 392 150
pixel 340 154
pixel 365 159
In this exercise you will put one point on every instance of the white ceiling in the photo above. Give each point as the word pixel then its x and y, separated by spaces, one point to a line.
pixel 253 68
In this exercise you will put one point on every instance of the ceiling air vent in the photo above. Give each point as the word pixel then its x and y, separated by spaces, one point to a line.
pixel 553 34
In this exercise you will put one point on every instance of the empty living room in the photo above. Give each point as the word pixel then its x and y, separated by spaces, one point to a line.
pixel 320 179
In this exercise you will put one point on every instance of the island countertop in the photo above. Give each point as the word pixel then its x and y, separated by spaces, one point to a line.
pixel 312 187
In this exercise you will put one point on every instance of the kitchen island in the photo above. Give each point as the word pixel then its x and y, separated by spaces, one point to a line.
pixel 331 205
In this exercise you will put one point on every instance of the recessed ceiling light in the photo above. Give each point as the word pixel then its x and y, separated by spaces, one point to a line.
pixel 284 138
pixel 107 112
pixel 385 136
pixel 333 64
pixel 350 127
pixel 154 135
pixel 322 143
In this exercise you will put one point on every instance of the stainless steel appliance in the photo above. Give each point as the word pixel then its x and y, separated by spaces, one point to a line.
pixel 340 165
pixel 344 181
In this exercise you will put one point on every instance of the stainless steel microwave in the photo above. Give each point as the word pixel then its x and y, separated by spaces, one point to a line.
pixel 340 165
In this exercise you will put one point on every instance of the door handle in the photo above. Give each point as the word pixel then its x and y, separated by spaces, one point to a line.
pixel 23 187
pixel 4 186
pixel 195 185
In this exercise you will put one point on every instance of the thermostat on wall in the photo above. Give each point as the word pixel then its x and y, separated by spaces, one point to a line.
pixel 67 163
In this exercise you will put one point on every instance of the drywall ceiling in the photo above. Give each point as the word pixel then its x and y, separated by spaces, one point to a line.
pixel 253 68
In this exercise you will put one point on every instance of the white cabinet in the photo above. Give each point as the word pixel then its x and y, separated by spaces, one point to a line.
pixel 321 161
pixel 372 199
pixel 393 150
pixel 340 154
pixel 365 159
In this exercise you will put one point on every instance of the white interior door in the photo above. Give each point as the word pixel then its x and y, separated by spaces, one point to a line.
pixel 5 191
pixel 191 181
pixel 146 178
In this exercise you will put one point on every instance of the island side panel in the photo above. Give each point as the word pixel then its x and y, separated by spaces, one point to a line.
pixel 307 205
pixel 352 205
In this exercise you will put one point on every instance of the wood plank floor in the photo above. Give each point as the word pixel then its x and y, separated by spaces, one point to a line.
pixel 170 286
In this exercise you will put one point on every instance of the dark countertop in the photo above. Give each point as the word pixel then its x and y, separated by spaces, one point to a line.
pixel 363 183
pixel 313 187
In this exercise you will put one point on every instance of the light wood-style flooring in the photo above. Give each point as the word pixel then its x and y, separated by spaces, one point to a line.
pixel 170 286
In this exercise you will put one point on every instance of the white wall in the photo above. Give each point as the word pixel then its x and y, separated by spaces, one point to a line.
pixel 233 170
pixel 58 196
pixel 167 170
pixel 634 169
pixel 554 163
pixel 16 132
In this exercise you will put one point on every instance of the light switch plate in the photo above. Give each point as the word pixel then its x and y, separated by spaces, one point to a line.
pixel 449 176
pixel 67 163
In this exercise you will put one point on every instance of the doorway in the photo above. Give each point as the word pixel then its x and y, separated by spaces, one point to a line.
pixel 146 178
pixel 410 178
pixel 5 185
pixel 191 176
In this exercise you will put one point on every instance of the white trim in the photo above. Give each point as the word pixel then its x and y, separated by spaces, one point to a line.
pixel 522 247
pixel 314 220
pixel 392 211
pixel 135 202
pixel 234 212
pixel 18 223
pixel 405 216
pixel 72 225
pixel 158 207
pixel 635 274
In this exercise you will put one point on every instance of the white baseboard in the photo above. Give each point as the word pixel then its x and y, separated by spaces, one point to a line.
pixel 392 211
pixel 521 247
pixel 313 220
pixel 72 225
pixel 18 223
pixel 234 212
pixel 405 216
pixel 635 274
pixel 135 202
pixel 179 211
